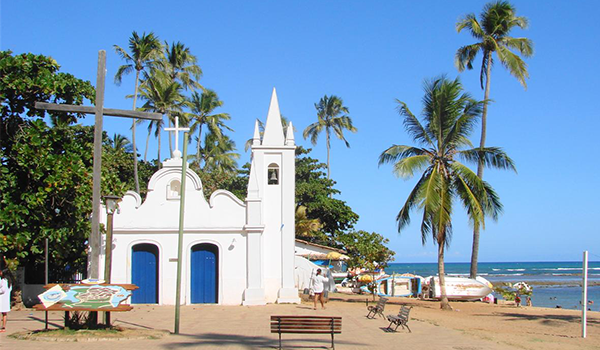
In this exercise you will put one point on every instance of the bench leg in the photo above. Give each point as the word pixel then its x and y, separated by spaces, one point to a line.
pixel 332 344
pixel 279 340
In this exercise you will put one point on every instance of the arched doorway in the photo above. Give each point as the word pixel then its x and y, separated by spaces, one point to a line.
pixel 204 274
pixel 144 273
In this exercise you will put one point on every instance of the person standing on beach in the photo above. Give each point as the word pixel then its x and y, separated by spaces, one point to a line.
pixel 5 290
pixel 318 286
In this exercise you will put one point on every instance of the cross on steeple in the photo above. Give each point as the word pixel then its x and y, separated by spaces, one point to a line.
pixel 176 130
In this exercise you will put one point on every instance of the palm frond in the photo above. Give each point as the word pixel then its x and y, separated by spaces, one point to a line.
pixel 412 124
pixel 465 56
pixel 492 157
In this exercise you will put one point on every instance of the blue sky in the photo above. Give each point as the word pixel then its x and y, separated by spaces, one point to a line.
pixel 370 54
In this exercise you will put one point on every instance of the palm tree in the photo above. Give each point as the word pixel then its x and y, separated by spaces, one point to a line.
pixel 144 51
pixel 449 115
pixel 492 33
pixel 120 143
pixel 219 154
pixel 305 226
pixel 162 96
pixel 331 114
pixel 202 108
pixel 180 65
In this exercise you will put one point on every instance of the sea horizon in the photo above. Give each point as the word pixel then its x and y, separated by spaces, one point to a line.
pixel 555 283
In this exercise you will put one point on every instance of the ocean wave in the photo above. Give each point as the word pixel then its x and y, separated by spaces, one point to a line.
pixel 515 269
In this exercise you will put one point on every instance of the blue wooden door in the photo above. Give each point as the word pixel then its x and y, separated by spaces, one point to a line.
pixel 204 274
pixel 144 273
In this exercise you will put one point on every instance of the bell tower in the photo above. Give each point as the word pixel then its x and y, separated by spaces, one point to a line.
pixel 270 213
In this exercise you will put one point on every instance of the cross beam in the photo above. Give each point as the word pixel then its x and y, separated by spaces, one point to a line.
pixel 92 110
pixel 99 111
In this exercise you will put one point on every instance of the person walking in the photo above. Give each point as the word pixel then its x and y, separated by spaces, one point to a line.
pixel 318 286
pixel 5 290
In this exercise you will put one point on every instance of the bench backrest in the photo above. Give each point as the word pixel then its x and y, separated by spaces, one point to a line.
pixel 306 324
pixel 381 302
pixel 404 312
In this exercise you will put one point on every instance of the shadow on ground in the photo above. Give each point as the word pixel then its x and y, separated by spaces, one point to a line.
pixel 547 319
pixel 223 340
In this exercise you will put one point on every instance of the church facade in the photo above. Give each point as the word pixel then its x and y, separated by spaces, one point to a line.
pixel 234 252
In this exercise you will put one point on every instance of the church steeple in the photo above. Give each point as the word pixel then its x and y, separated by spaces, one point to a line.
pixel 256 137
pixel 273 135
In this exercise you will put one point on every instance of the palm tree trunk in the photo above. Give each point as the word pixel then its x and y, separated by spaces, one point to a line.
pixel 159 161
pixel 147 142
pixel 328 150
pixel 135 155
pixel 170 138
pixel 444 305
pixel 198 147
pixel 486 96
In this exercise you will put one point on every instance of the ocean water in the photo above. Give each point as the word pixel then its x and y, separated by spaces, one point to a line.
pixel 561 280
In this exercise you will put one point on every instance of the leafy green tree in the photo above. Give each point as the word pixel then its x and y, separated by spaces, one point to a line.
pixel 27 78
pixel 493 34
pixel 332 115
pixel 367 250
pixel 46 193
pixel 202 107
pixel 449 115
pixel 144 52
pixel 313 191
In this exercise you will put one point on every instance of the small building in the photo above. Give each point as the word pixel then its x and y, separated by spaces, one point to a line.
pixel 234 252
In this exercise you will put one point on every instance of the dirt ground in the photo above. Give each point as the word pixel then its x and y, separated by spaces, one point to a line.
pixel 471 326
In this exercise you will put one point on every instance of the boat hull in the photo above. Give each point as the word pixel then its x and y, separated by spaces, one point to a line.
pixel 397 286
pixel 461 288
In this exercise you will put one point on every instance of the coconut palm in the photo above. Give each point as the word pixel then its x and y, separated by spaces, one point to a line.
pixel 492 32
pixel 219 154
pixel 332 115
pixel 144 51
pixel 202 107
pixel 120 143
pixel 305 226
pixel 449 115
pixel 162 96
pixel 178 64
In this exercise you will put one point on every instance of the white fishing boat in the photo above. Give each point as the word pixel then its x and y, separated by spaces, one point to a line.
pixel 396 286
pixel 460 288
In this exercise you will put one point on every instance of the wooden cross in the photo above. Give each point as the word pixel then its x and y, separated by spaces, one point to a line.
pixel 99 111
pixel 176 130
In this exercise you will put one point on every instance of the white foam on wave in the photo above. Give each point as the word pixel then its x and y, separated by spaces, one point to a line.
pixel 515 269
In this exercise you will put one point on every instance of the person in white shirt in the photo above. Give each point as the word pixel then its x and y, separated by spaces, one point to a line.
pixel 5 289
pixel 317 285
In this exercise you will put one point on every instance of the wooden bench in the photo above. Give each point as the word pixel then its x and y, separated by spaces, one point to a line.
pixel 377 309
pixel 306 325
pixel 400 320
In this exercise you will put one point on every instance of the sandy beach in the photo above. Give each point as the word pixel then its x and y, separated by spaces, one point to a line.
pixel 471 326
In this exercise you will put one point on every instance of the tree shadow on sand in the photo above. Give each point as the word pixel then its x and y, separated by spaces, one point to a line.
pixel 248 342
pixel 546 319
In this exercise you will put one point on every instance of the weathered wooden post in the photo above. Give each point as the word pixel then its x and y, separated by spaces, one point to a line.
pixel 99 111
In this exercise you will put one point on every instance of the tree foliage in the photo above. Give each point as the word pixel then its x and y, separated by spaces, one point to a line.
pixel 449 115
pixel 46 182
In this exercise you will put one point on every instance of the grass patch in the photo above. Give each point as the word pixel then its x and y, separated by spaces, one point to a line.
pixel 73 335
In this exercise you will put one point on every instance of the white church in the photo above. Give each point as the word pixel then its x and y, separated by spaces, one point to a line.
pixel 234 252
